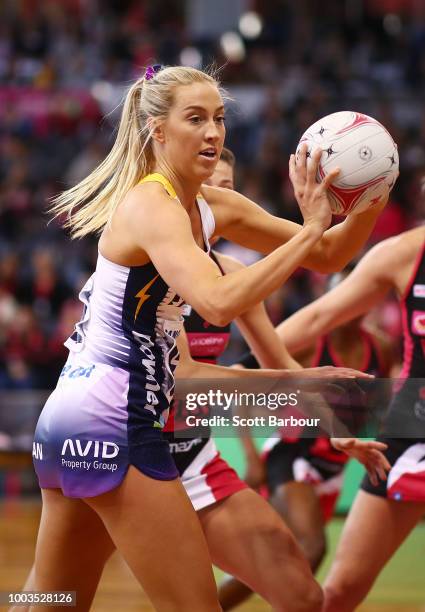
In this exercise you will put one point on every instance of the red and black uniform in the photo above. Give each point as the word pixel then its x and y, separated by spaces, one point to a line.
pixel 206 477
pixel 313 459
pixel 404 426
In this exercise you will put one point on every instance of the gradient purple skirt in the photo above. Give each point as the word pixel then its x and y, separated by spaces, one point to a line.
pixel 82 444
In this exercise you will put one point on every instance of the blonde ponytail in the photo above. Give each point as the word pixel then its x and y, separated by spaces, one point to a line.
pixel 89 206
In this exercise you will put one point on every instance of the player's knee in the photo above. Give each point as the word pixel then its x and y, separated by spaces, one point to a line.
pixel 279 540
pixel 303 594
pixel 335 597
pixel 343 593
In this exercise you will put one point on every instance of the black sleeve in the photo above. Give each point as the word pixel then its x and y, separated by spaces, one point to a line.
pixel 248 361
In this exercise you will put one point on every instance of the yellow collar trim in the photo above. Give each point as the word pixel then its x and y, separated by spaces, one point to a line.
pixel 156 177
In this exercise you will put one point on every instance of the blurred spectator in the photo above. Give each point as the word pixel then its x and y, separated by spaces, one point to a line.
pixel 9 266
pixel 23 352
pixel 44 290
pixel 85 162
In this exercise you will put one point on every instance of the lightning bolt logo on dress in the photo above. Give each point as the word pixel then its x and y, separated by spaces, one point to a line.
pixel 143 296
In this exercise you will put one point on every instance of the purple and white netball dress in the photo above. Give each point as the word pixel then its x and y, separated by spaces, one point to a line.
pixel 113 395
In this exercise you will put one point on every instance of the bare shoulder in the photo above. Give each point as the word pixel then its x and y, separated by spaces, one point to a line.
pixel 148 201
pixel 146 216
pixel 395 257
pixel 398 251
pixel 229 264
pixel 408 243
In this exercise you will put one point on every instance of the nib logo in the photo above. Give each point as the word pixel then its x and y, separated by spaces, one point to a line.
pixel 92 448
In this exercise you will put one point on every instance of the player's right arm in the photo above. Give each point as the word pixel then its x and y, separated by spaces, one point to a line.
pixel 365 287
pixel 159 226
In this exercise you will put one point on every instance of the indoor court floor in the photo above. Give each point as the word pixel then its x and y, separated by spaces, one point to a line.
pixel 401 587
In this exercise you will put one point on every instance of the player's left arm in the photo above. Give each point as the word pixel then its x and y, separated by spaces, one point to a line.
pixel 190 368
pixel 242 221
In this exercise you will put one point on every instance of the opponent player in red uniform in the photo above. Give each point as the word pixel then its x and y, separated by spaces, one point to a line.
pixel 381 517
pixel 303 476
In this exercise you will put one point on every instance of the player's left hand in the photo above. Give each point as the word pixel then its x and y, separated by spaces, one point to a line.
pixel 368 453
pixel 331 372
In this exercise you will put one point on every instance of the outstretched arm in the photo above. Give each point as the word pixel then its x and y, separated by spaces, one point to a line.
pixel 365 287
pixel 365 452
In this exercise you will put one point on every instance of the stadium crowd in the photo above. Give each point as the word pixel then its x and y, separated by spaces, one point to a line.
pixel 306 62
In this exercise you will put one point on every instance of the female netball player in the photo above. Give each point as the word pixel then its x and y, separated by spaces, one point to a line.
pixel 307 496
pixel 304 477
pixel 104 469
pixel 245 536
pixel 381 517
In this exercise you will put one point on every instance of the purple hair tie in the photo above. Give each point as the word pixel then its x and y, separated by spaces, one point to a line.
pixel 151 71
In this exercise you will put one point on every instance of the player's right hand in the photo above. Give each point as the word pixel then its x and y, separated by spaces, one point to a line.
pixel 311 196
pixel 369 453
